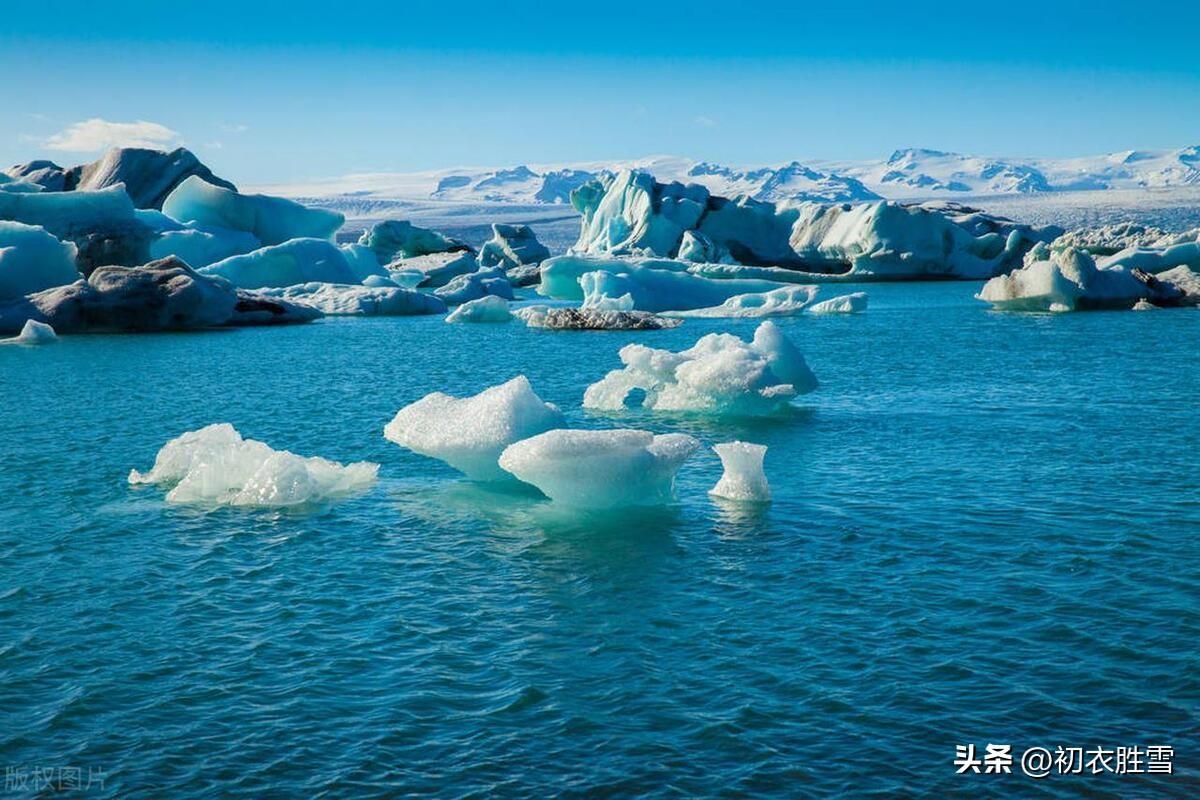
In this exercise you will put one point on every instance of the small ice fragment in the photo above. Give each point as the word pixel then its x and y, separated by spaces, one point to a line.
pixel 743 478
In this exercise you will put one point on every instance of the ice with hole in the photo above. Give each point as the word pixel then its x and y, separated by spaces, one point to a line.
pixel 743 477
pixel 470 433
pixel 272 220
pixel 721 374
pixel 31 259
pixel 601 469
pixel 486 309
pixel 215 466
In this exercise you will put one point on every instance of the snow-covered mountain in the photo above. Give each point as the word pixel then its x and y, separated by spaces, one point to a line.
pixel 912 173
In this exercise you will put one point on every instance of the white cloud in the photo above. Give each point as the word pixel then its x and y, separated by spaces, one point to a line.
pixel 705 122
pixel 234 128
pixel 100 134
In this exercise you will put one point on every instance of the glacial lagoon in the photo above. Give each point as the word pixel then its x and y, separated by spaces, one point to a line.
pixel 982 529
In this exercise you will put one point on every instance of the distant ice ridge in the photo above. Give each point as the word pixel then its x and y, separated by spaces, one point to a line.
pixel 600 469
pixel 470 433
pixel 720 374
pixel 743 477
pixel 216 466
pixel 632 214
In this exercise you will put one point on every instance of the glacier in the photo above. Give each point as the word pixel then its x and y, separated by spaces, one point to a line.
pixel 470 433
pixel 215 466
pixel 272 220
pixel 720 374
pixel 489 308
pixel 742 478
pixel 31 259
pixel 600 469
pixel 335 299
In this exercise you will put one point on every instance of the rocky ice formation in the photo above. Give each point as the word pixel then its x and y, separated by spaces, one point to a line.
pixel 336 299
pixel 294 262
pixel 486 309
pixel 632 214
pixel 475 285
pixel 743 478
pixel 720 374
pixel 33 333
pixel 399 239
pixel 215 466
pixel 161 295
pixel 147 175
pixel 512 246
pixel 843 304
pixel 272 220
pixel 470 433
pixel 32 260
pixel 1071 280
pixel 601 469
pixel 593 319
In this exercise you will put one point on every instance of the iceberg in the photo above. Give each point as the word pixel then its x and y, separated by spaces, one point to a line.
pixel 512 246
pixel 485 309
pixel 1108 240
pixel 148 175
pixel 600 469
pixel 46 174
pixel 593 319
pixel 475 285
pixel 631 214
pixel 272 220
pixel 102 224
pixel 435 269
pixel 743 477
pixel 33 333
pixel 653 284
pixel 1070 280
pixel 843 304
pixel 470 433
pixel 720 374
pixel 254 309
pixel 294 262
pixel 200 247
pixel 777 302
pixel 215 466
pixel 340 300
pixel 400 239
pixel 32 260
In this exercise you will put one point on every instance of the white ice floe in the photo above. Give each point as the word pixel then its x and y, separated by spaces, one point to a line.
pixel 786 300
pixel 470 433
pixel 601 469
pixel 272 220
pixel 293 262
pixel 33 332
pixel 743 477
pixel 842 304
pixel 32 260
pixel 216 466
pixel 335 299
pixel 485 309
pixel 720 374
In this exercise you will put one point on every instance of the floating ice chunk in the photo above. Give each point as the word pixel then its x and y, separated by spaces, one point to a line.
pixel 466 288
pixel 393 239
pixel 654 289
pixel 743 478
pixel 470 433
pixel 1155 260
pixel 485 309
pixel 200 248
pixel 295 262
pixel 216 466
pixel 593 319
pixel 272 220
pixel 435 269
pixel 148 175
pixel 34 332
pixel 32 260
pixel 601 469
pixel 843 304
pixel 337 299
pixel 602 302
pixel 512 246
pixel 720 374
pixel 777 302
pixel 1144 305
pixel 255 309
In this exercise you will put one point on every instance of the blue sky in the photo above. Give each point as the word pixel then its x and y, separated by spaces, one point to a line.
pixel 288 91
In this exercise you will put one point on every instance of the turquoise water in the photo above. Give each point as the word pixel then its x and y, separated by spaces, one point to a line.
pixel 984 530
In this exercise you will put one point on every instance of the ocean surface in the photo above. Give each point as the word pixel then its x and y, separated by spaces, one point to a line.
pixel 986 529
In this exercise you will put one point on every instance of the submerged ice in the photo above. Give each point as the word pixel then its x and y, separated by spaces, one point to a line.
pixel 216 466
pixel 600 469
